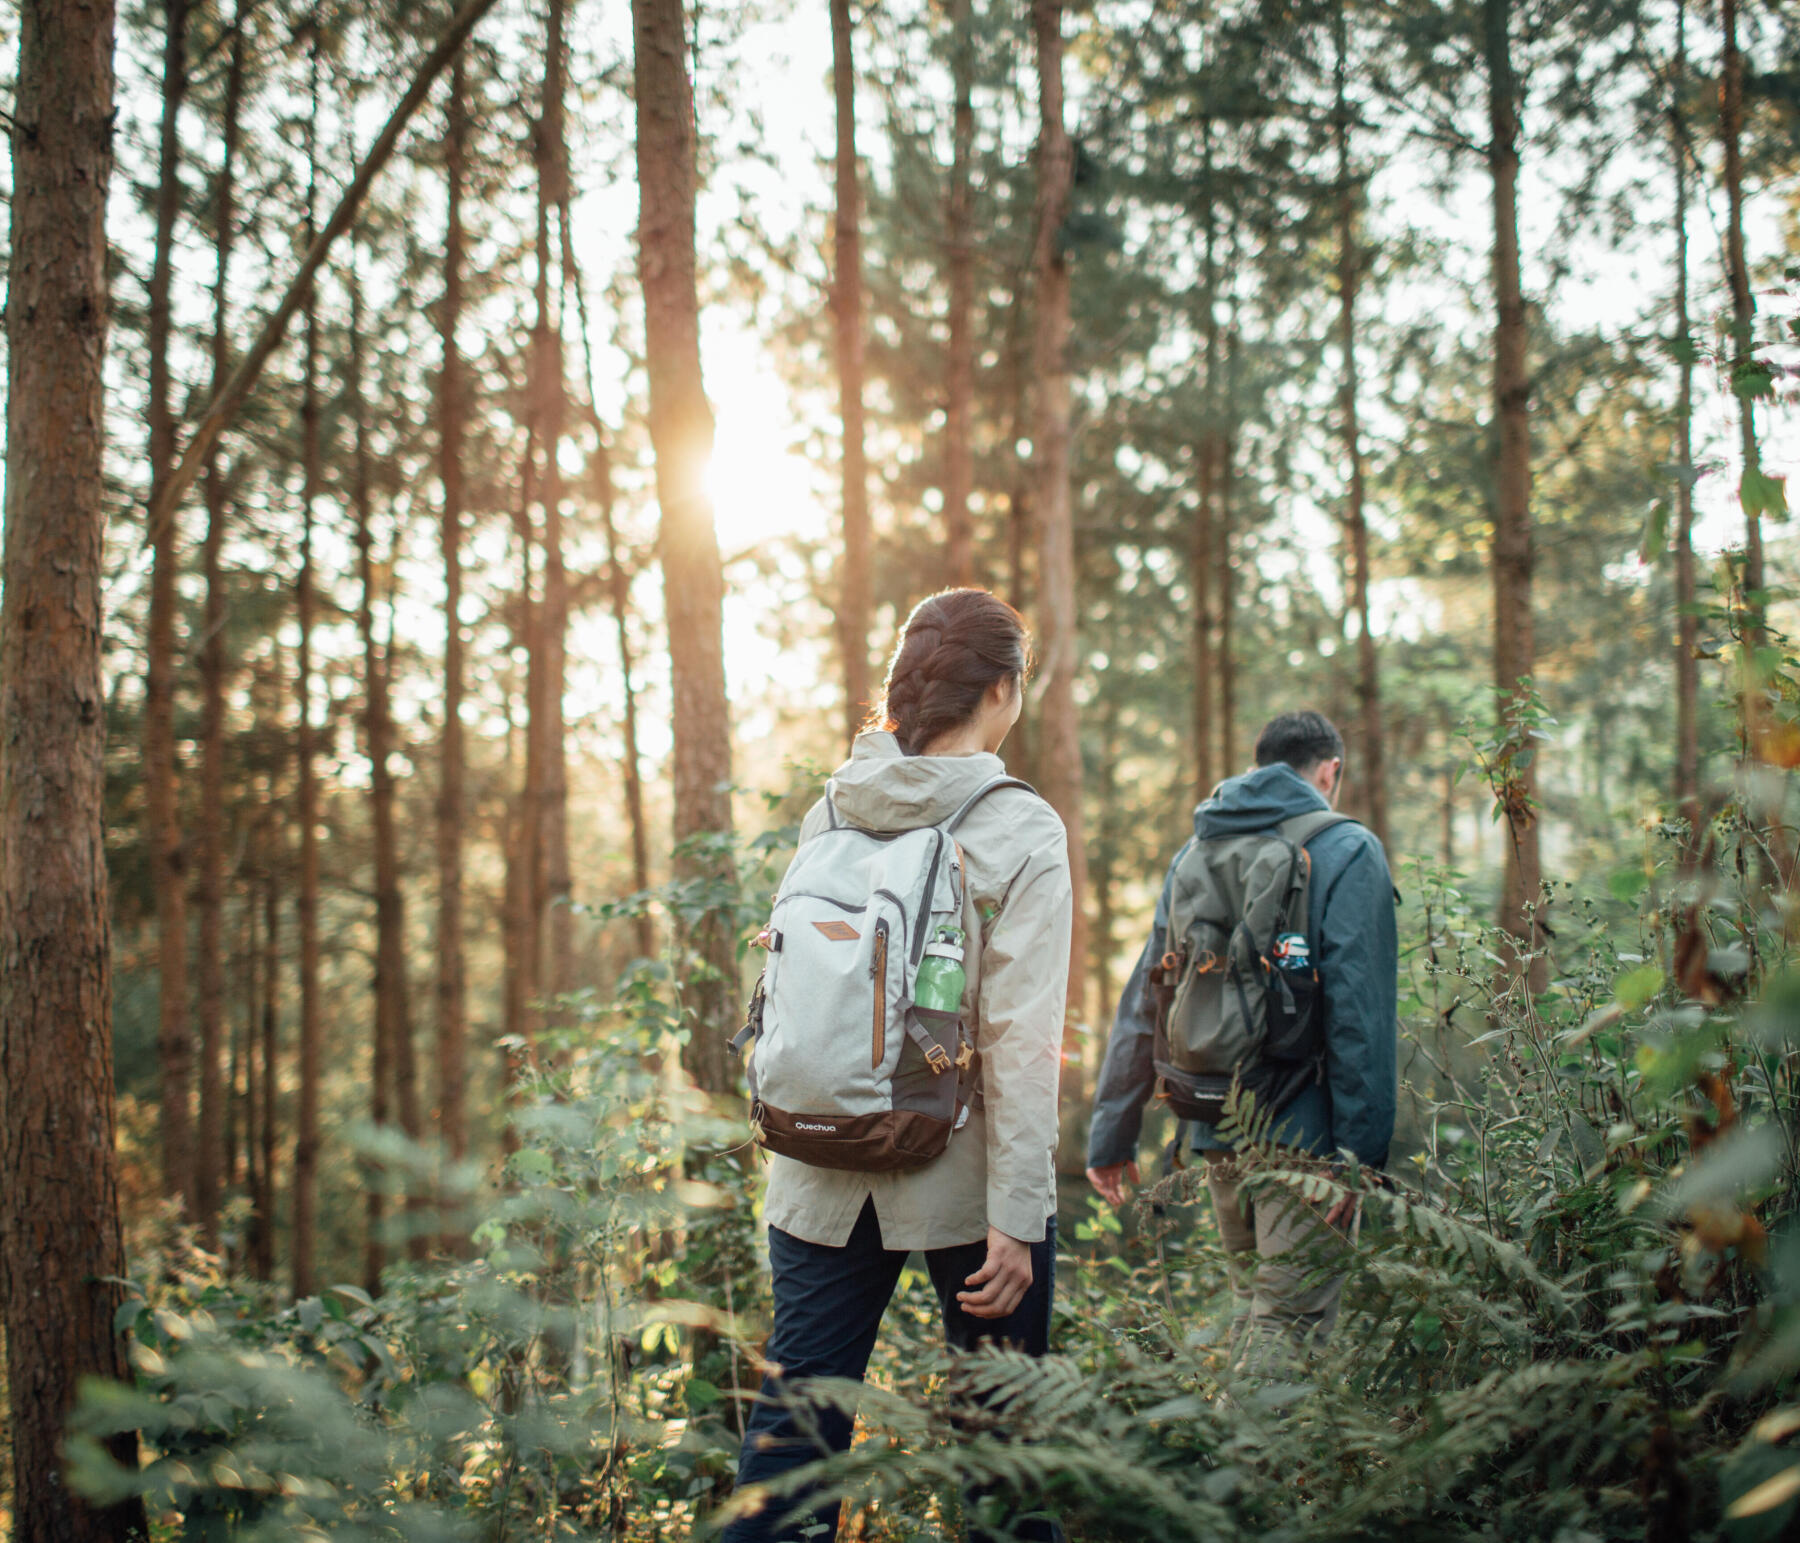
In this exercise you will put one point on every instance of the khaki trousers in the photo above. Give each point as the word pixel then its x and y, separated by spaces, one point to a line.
pixel 1288 1297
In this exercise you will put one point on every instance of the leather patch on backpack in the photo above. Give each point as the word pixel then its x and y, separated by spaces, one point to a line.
pixel 838 932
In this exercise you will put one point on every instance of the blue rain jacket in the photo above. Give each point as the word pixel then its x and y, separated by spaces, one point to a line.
pixel 1352 930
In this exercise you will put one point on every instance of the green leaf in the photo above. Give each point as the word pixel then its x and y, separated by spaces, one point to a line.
pixel 1635 988
pixel 1753 380
pixel 1656 532
pixel 1761 494
pixel 701 1394
pixel 533 1165
pixel 1626 883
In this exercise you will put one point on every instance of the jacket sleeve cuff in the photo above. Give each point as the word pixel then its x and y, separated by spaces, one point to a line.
pixel 1025 1223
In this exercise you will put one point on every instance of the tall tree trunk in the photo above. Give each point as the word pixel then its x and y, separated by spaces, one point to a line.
pixel 618 589
pixel 681 430
pixel 1687 624
pixel 209 1158
pixel 1514 645
pixel 390 943
pixel 452 987
pixel 1369 779
pixel 1743 306
pixel 1201 558
pixel 268 1131
pixel 854 602
pixel 252 1106
pixel 619 592
pixel 61 1249
pixel 306 1124
pixel 519 982
pixel 162 808
pixel 1059 759
pixel 1225 485
pixel 553 920
pixel 959 395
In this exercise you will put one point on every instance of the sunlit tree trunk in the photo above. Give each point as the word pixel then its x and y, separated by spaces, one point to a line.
pixel 1202 556
pixel 162 808
pixel 553 922
pixel 959 394
pixel 854 601
pixel 452 990
pixel 61 1249
pixel 681 430
pixel 251 1108
pixel 618 586
pixel 306 1123
pixel 1687 624
pixel 1514 645
pixel 1059 756
pixel 394 1069
pixel 1368 777
pixel 210 1158
pixel 1743 306
pixel 1225 488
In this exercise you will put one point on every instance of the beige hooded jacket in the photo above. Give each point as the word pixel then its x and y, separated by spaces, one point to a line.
pixel 1017 915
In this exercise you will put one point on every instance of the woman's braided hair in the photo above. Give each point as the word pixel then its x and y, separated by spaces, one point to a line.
pixel 955 645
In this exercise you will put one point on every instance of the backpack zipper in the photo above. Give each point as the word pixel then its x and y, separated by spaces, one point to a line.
pixel 878 972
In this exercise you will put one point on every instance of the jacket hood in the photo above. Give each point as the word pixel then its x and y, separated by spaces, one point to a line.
pixel 879 788
pixel 1256 801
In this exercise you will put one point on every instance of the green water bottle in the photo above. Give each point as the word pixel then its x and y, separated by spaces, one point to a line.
pixel 939 986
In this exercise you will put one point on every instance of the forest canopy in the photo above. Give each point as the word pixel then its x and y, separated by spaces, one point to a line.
pixel 468 466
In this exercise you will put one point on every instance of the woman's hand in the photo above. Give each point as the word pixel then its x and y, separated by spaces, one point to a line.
pixel 1003 1280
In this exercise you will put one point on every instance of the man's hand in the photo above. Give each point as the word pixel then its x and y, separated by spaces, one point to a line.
pixel 1108 1181
pixel 1340 1214
pixel 1001 1281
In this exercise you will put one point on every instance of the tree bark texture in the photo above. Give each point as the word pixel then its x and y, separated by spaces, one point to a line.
pixel 210 1160
pixel 60 1239
pixel 855 599
pixel 1200 586
pixel 394 1068
pixel 162 806
pixel 306 1123
pixel 959 394
pixel 1368 780
pixel 1743 306
pixel 1687 624
pixel 552 883
pixel 263 1254
pixel 1514 636
pixel 681 431
pixel 452 981
pixel 1059 758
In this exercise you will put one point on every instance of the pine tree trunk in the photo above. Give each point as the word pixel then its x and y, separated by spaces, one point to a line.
pixel 1225 479
pixel 61 1247
pixel 519 983
pixel 1059 758
pixel 306 1124
pixel 268 1130
pixel 554 921
pixel 1743 306
pixel 1368 780
pixel 959 396
pixel 619 591
pixel 162 808
pixel 681 430
pixel 847 310
pixel 452 988
pixel 393 1028
pixel 252 1106
pixel 209 1158
pixel 1200 587
pixel 1687 625
pixel 1514 647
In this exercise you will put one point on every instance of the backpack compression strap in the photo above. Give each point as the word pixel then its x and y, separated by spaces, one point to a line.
pixel 949 825
pixel 1303 827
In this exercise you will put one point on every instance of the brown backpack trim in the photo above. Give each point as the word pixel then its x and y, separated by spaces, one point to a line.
pixel 867 1143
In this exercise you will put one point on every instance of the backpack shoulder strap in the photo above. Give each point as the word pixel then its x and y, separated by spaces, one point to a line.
pixel 1301 828
pixel 949 826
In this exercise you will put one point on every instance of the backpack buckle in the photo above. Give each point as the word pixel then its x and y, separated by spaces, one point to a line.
pixel 965 1055
pixel 938 1059
pixel 1206 963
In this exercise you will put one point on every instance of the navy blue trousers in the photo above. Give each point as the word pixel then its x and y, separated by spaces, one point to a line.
pixel 828 1307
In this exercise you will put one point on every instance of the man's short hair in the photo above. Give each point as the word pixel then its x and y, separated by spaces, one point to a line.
pixel 1302 740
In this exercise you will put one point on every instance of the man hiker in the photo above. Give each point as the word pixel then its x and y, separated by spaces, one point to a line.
pixel 1272 966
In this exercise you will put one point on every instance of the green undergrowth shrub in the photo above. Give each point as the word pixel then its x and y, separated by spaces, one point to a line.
pixel 1572 1314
